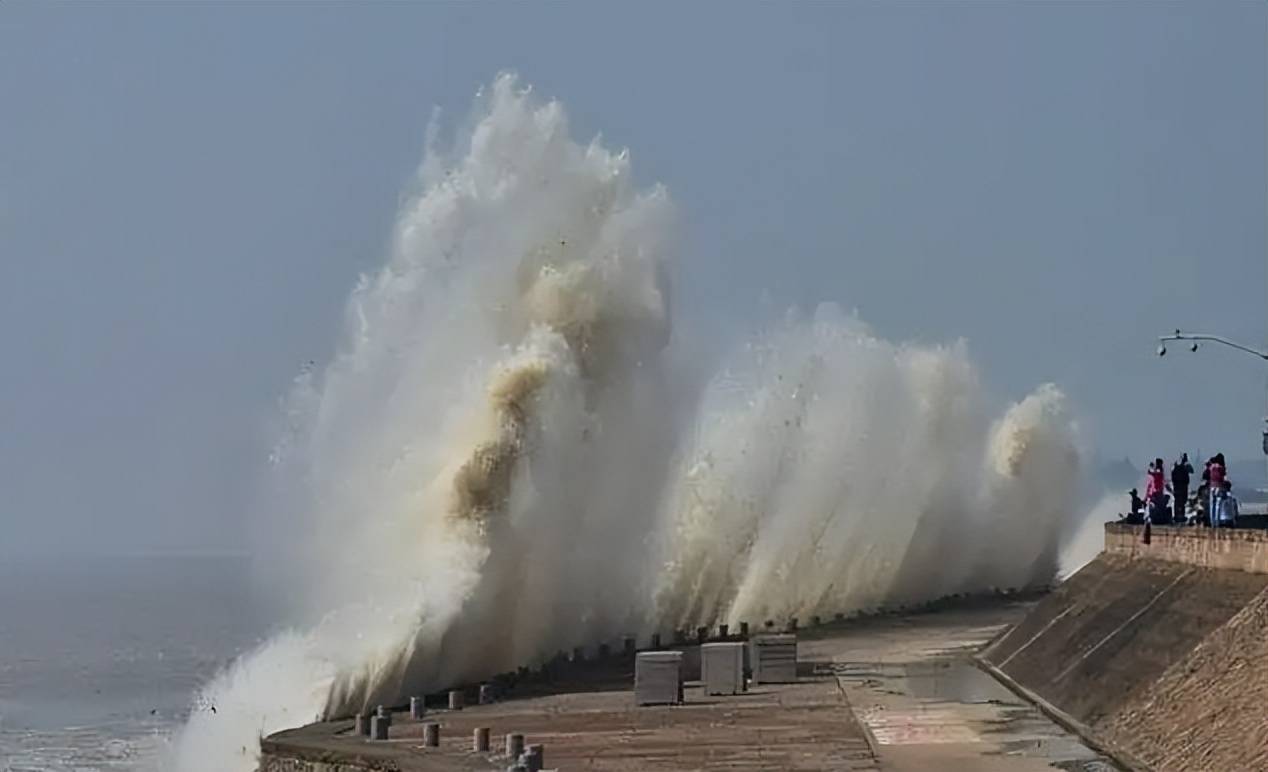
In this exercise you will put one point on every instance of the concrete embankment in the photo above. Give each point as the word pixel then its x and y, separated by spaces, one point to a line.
pixel 1155 650
pixel 894 693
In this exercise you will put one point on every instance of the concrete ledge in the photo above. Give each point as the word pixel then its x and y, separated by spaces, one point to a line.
pixel 1120 756
pixel 1228 549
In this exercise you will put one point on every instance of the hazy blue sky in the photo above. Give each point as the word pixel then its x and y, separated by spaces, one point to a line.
pixel 188 191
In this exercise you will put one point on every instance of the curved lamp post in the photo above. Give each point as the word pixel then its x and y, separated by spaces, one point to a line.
pixel 1193 338
pixel 1196 337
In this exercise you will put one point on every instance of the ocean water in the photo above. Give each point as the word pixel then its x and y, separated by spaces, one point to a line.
pixel 100 658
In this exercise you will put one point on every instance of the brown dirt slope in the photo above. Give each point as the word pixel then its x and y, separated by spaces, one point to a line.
pixel 1209 711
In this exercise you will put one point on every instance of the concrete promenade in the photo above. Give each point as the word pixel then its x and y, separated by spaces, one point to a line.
pixel 894 693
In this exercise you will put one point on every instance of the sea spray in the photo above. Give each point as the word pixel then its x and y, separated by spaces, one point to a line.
pixel 504 459
pixel 833 471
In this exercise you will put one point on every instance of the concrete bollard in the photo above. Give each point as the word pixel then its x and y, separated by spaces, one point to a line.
pixel 363 724
pixel 534 757
pixel 416 708
pixel 378 727
pixel 488 695
pixel 655 641
pixel 431 734
pixel 723 630
pixel 628 645
pixel 774 659
pixel 605 651
pixel 480 740
pixel 658 678
pixel 722 667
pixel 514 745
pixel 456 699
pixel 744 629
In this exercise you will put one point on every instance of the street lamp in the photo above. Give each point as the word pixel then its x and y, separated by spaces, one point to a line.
pixel 1194 337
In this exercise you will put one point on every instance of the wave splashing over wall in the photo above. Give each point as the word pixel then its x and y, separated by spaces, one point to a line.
pixel 505 459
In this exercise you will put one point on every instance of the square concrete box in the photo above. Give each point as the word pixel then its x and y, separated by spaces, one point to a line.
pixel 775 659
pixel 690 661
pixel 658 678
pixel 722 667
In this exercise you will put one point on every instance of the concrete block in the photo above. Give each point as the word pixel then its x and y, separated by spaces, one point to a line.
pixel 722 667
pixel 378 727
pixel 658 678
pixel 457 700
pixel 363 724
pixel 690 661
pixel 417 709
pixel 431 734
pixel 487 694
pixel 774 659
pixel 480 740
pixel 514 745
pixel 534 757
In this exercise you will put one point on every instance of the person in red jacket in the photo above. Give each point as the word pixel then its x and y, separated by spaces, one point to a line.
pixel 1156 494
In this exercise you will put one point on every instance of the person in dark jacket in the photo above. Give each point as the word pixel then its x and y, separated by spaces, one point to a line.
pixel 1181 472
pixel 1136 515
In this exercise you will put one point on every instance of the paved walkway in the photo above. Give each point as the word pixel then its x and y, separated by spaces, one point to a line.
pixel 887 694
pixel 911 684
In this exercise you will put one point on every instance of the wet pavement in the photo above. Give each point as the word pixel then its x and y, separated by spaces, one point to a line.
pixel 911 683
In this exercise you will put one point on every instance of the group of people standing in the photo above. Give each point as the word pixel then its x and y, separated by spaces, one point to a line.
pixel 1212 504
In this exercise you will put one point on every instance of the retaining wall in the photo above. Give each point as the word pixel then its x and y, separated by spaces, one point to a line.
pixel 1231 549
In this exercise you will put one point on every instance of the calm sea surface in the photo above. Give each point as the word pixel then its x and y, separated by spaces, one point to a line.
pixel 100 658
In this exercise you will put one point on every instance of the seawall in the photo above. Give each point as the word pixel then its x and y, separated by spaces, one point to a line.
pixel 1151 642
pixel 1225 548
